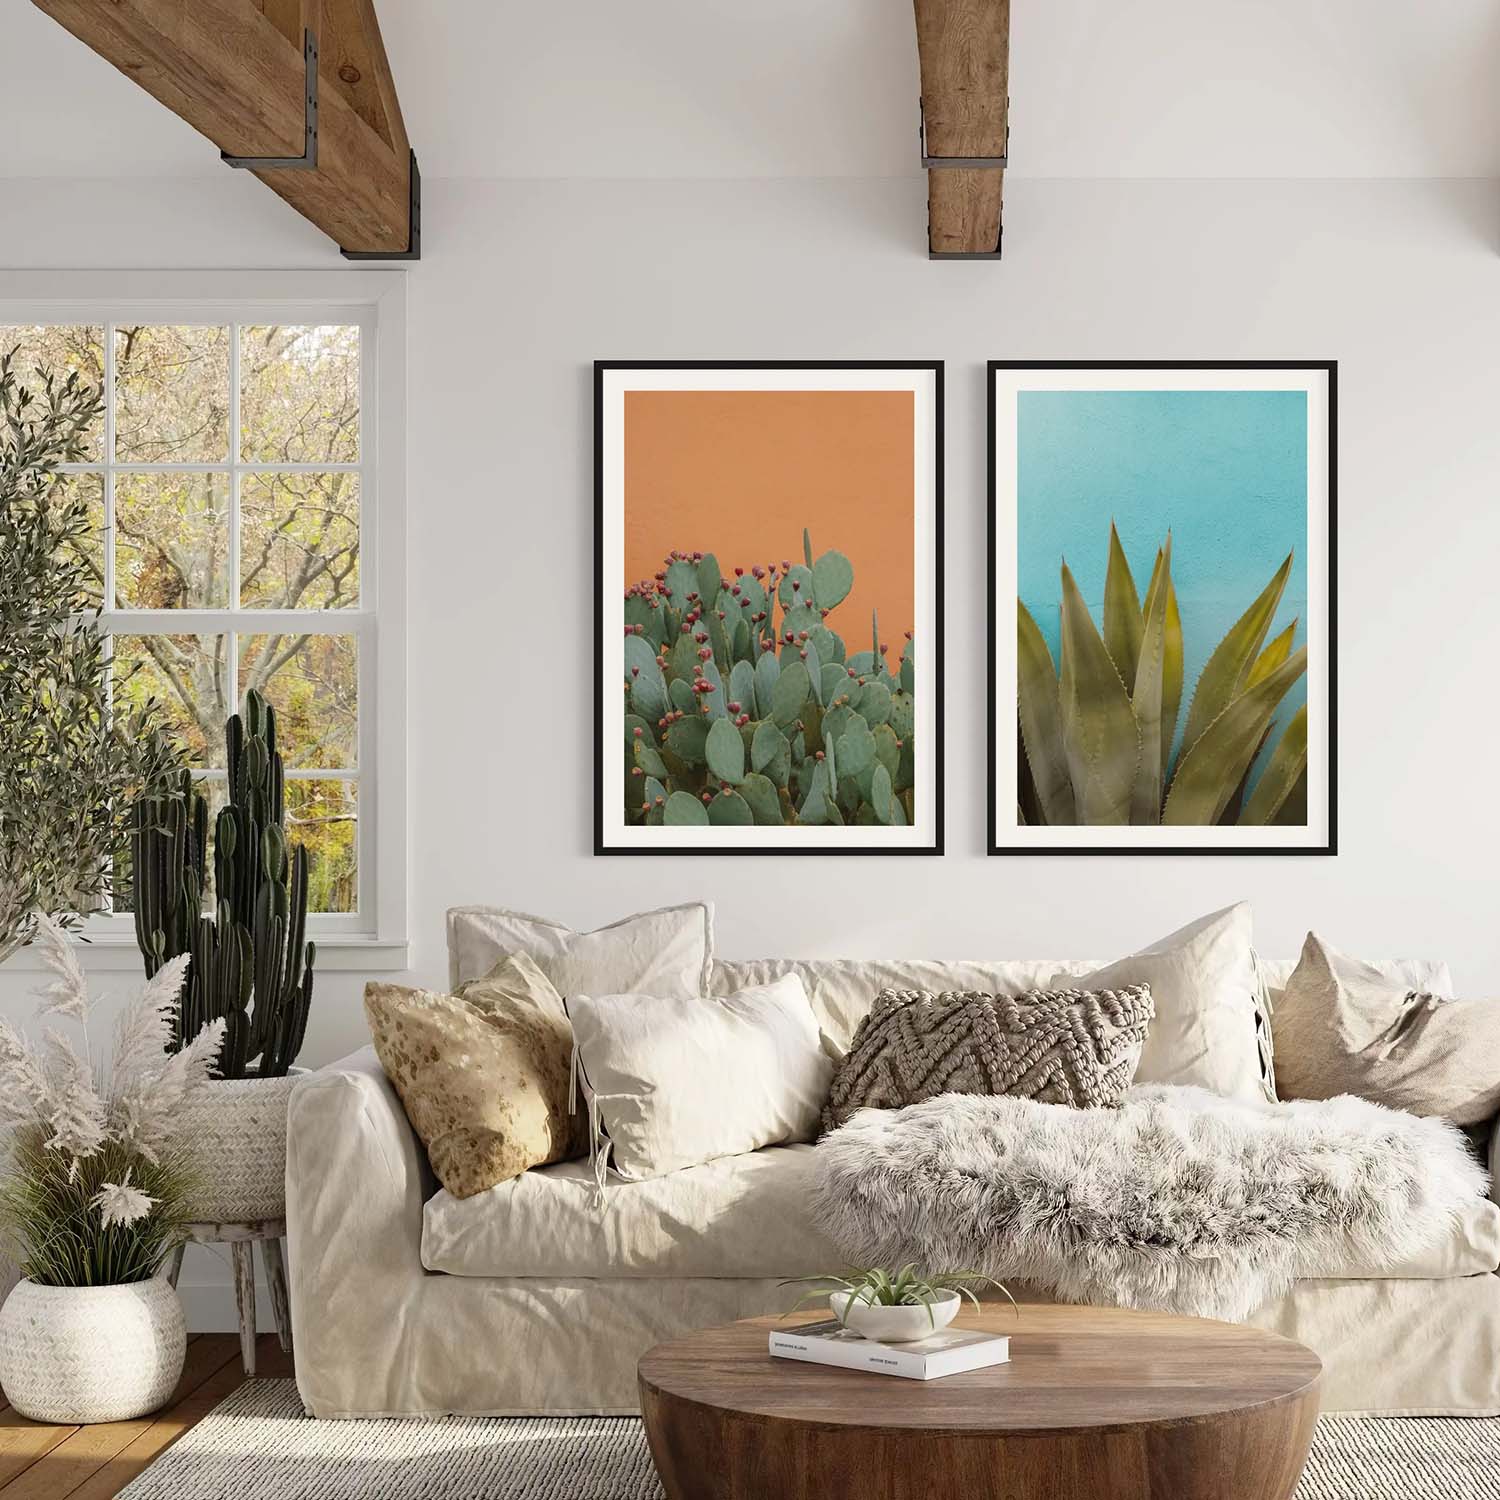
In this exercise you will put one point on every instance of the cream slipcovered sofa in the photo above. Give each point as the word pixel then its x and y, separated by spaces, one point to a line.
pixel 527 1299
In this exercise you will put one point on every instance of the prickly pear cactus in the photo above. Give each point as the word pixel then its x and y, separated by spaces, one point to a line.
pixel 743 704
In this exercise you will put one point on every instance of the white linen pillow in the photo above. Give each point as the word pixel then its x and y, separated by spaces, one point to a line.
pixel 668 951
pixel 676 1081
pixel 1205 984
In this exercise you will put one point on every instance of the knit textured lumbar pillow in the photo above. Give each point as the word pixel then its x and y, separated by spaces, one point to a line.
pixel 483 1075
pixel 1076 1047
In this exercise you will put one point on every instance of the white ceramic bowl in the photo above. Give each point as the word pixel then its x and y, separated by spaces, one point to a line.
pixel 895 1325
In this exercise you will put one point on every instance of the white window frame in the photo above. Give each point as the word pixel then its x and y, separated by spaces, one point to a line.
pixel 376 935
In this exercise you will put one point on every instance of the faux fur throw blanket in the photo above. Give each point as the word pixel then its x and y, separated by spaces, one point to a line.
pixel 1176 1199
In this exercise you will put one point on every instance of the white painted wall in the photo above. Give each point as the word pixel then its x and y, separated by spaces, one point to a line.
pixel 524 284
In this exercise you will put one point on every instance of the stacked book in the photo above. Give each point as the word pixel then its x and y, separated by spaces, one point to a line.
pixel 950 1351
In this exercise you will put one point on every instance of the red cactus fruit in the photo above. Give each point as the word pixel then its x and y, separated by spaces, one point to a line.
pixel 636 771
pixel 796 585
pixel 636 731
pixel 758 571
pixel 704 653
pixel 708 796
pixel 818 755
pixel 739 572
pixel 697 557
pixel 733 708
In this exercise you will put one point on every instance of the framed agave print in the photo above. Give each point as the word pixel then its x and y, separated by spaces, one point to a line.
pixel 1162 608
pixel 768 609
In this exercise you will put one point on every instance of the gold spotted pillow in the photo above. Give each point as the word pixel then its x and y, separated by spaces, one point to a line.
pixel 483 1074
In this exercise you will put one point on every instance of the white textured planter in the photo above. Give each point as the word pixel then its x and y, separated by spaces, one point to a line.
pixel 71 1354
pixel 236 1131
pixel 895 1325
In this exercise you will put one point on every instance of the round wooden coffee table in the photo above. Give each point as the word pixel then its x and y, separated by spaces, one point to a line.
pixel 1096 1404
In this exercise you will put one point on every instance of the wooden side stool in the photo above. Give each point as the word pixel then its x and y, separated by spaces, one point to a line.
pixel 241 1239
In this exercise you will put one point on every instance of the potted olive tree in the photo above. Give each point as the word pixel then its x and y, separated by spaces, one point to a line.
pixel 70 766
pixel 94 1196
pixel 250 965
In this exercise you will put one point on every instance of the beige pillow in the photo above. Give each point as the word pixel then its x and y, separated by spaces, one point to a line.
pixel 1064 1047
pixel 1205 986
pixel 483 1075
pixel 673 1082
pixel 1343 1027
pixel 668 951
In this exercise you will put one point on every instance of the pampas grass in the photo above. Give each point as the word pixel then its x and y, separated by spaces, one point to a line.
pixel 94 1185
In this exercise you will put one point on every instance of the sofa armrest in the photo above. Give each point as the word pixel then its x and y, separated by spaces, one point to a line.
pixel 356 1180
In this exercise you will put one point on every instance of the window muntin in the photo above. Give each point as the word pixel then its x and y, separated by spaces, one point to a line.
pixel 230 473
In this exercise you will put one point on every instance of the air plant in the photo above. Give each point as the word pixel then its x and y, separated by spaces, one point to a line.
pixel 734 716
pixel 908 1287
pixel 1097 733
pixel 95 1187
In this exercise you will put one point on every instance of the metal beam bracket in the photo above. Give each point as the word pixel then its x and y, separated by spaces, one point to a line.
pixel 967 163
pixel 413 249
pixel 308 161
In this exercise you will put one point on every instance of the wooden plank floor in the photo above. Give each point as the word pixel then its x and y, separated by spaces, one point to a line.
pixel 41 1462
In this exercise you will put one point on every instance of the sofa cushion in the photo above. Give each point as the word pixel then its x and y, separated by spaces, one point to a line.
pixel 741 1216
pixel 677 1080
pixel 843 990
pixel 1471 1247
pixel 664 952
pixel 1343 1027
pixel 482 1075
pixel 1205 985
pixel 1077 1047
pixel 737 1216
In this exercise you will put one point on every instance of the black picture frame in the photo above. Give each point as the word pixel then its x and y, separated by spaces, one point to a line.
pixel 602 846
pixel 1330 846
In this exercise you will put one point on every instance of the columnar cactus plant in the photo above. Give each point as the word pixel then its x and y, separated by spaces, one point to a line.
pixel 744 706
pixel 250 962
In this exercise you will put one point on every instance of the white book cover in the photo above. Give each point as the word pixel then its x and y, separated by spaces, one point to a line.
pixel 950 1351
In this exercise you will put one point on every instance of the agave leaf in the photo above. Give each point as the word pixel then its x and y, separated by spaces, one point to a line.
pixel 1146 699
pixel 1277 650
pixel 1293 812
pixel 1233 808
pixel 1099 730
pixel 1224 676
pixel 1287 766
pixel 1171 666
pixel 1122 611
pixel 1041 721
pixel 1210 770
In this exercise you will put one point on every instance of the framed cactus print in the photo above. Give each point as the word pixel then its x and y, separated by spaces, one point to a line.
pixel 1162 621
pixel 768 543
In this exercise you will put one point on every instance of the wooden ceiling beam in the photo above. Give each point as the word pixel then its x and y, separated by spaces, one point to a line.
pixel 235 71
pixel 963 50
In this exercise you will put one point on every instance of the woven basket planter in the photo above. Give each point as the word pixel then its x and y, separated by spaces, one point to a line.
pixel 236 1131
pixel 73 1354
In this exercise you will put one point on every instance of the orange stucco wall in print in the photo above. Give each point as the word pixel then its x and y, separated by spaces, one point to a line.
pixel 740 473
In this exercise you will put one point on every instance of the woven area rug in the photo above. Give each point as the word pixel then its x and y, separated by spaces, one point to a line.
pixel 258 1443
